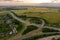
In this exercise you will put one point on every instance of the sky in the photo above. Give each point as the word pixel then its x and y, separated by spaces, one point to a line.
pixel 31 1
pixel 20 2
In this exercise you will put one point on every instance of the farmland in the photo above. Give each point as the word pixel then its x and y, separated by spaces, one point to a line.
pixel 27 23
pixel 51 15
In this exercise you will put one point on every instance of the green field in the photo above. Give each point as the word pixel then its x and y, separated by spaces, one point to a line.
pixel 52 16
pixel 2 13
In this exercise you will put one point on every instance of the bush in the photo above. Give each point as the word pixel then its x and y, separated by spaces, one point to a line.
pixel 20 25
pixel 41 36
pixel 49 30
pixel 58 39
pixel 53 39
pixel 55 25
pixel 29 28
pixel 35 20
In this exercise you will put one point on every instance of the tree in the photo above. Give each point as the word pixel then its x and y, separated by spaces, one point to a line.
pixel 58 39
pixel 53 39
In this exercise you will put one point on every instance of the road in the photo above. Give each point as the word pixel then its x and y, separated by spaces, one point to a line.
pixel 28 36
pixel 50 37
pixel 39 26
pixel 52 28
pixel 20 20
pixel 17 18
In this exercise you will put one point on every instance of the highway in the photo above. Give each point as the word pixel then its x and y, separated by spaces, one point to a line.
pixel 50 37
pixel 39 26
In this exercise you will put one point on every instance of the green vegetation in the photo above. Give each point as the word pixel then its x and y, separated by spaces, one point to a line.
pixel 49 30
pixel 51 17
pixel 55 25
pixel 29 28
pixel 4 28
pixel 35 20
pixel 58 39
pixel 18 25
pixel 23 17
pixel 53 39
pixel 41 36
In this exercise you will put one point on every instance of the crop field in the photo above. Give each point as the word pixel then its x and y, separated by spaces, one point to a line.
pixel 32 23
pixel 2 13
pixel 51 15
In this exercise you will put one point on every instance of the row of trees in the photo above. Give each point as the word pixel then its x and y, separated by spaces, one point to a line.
pixel 29 29
pixel 55 38
pixel 41 36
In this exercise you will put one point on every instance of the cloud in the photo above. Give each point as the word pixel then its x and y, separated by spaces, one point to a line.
pixel 6 0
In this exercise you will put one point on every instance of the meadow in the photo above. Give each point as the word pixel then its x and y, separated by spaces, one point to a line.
pixel 49 14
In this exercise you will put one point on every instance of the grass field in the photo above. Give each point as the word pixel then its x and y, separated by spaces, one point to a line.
pixel 51 16
pixel 2 13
